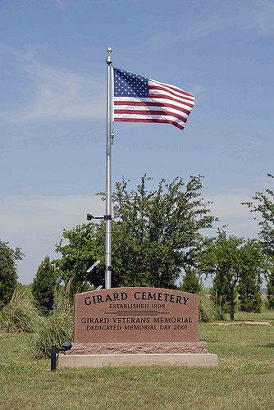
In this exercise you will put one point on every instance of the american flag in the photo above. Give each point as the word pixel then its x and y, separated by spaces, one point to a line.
pixel 139 99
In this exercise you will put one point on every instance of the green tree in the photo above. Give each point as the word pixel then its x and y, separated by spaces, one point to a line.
pixel 43 286
pixel 220 294
pixel 252 266
pixel 191 282
pixel 8 275
pixel 232 260
pixel 270 288
pixel 262 204
pixel 156 233
pixel 79 250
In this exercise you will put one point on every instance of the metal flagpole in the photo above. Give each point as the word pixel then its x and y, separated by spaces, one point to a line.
pixel 108 215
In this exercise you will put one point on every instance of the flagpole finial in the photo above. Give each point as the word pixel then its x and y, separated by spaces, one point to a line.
pixel 108 59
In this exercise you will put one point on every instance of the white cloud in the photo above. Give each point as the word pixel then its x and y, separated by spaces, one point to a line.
pixel 35 224
pixel 249 15
pixel 185 33
pixel 265 16
pixel 56 93
pixel 199 92
pixel 62 4
pixel 227 206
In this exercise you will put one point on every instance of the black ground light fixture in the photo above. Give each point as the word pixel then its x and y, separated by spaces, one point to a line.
pixel 54 354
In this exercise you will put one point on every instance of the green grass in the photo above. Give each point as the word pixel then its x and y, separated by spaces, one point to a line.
pixel 243 379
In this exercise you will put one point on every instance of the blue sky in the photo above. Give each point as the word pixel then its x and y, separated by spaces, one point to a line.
pixel 52 107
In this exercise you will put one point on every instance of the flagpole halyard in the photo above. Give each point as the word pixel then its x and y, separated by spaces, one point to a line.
pixel 109 137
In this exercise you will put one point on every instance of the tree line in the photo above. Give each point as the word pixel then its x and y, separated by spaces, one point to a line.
pixel 159 240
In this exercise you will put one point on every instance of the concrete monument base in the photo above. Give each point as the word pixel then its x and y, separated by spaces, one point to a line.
pixel 147 359
pixel 192 354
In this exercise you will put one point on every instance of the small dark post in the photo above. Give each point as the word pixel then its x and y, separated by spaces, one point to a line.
pixel 53 358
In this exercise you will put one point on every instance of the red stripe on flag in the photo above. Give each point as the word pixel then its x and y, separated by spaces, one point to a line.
pixel 157 87
pixel 173 88
pixel 152 112
pixel 164 97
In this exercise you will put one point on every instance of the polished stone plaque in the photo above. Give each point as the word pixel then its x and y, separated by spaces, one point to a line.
pixel 136 315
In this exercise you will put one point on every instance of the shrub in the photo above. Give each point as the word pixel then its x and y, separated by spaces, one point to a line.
pixel 208 311
pixel 57 329
pixel 270 290
pixel 20 314
pixel 8 275
pixel 58 326
pixel 43 286
pixel 251 303
pixel 270 302
pixel 191 282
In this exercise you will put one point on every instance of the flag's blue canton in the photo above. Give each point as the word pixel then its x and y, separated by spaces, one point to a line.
pixel 129 85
